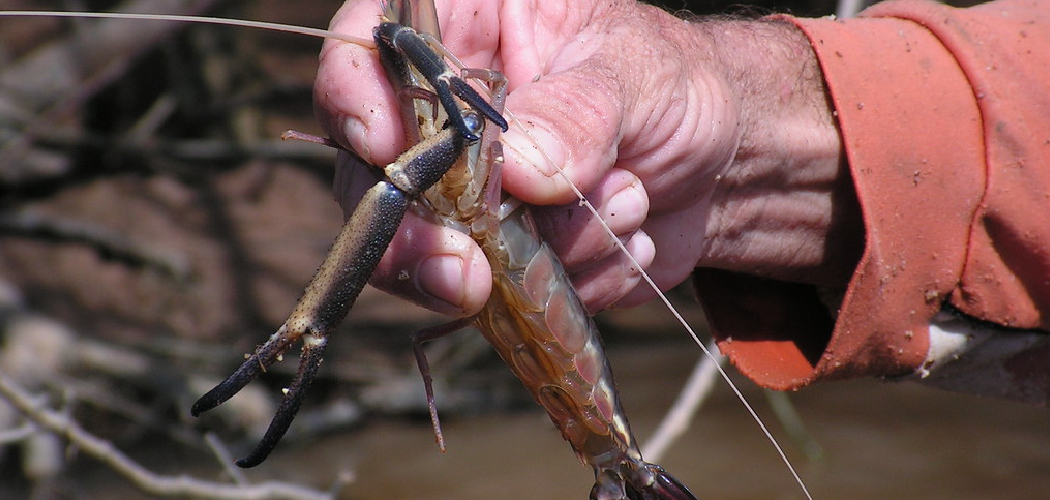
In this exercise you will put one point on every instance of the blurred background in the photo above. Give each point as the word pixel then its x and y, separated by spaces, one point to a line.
pixel 153 229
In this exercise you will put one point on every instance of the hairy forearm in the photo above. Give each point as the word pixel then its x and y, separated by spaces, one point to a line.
pixel 784 206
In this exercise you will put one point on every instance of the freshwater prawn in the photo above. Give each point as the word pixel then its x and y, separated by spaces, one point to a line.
pixel 533 318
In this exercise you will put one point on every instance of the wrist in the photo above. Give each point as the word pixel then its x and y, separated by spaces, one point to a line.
pixel 773 203
pixel 786 113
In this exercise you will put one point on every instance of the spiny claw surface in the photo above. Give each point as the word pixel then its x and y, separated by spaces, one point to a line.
pixel 248 371
pixel 309 362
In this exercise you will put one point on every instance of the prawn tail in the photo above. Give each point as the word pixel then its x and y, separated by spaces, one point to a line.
pixel 648 482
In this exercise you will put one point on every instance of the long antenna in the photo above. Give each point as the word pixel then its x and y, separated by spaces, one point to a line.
pixel 288 28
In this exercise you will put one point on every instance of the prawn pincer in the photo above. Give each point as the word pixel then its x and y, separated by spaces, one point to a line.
pixel 533 318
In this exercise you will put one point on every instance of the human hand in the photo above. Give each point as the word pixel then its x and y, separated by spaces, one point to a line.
pixel 701 144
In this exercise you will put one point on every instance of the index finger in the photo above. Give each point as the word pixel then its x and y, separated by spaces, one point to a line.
pixel 352 98
pixel 354 101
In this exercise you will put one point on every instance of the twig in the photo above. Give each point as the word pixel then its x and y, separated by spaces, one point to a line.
pixel 793 425
pixel 15 435
pixel 225 459
pixel 680 415
pixel 147 481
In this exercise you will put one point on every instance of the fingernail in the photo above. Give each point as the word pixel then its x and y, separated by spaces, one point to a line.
pixel 354 131
pixel 441 277
pixel 536 147
pixel 629 201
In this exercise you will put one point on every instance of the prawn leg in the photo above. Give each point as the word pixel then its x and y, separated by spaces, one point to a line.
pixel 418 339
pixel 341 277
pixel 394 37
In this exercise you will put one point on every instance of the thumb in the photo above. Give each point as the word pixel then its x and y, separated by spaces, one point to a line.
pixel 569 122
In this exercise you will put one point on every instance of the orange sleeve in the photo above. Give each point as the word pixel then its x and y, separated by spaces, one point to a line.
pixel 945 118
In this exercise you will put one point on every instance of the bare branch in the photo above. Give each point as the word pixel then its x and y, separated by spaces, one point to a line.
pixel 683 411
pixel 225 458
pixel 147 481
pixel 18 434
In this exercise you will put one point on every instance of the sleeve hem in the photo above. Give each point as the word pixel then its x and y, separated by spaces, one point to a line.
pixel 892 83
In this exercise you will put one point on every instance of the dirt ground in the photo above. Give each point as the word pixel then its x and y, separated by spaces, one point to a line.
pixel 153 230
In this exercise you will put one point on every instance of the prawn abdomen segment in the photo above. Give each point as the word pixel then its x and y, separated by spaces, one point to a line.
pixel 539 326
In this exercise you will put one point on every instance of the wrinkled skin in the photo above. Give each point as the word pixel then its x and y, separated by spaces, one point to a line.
pixel 701 144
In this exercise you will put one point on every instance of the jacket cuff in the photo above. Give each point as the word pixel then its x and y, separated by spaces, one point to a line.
pixel 913 138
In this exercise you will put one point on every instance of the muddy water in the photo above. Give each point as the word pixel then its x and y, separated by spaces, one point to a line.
pixel 880 440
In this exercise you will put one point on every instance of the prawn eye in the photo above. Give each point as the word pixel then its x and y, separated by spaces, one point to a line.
pixel 474 123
